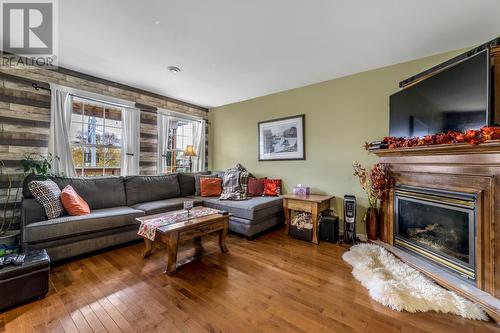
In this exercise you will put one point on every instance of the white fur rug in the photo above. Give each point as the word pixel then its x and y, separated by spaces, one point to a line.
pixel 400 287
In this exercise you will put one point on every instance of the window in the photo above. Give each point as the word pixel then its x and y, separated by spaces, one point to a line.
pixel 181 133
pixel 96 138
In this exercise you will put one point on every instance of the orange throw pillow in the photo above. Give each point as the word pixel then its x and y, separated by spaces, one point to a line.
pixel 73 203
pixel 210 187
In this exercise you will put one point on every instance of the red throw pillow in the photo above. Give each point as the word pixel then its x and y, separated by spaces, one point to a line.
pixel 255 187
pixel 210 187
pixel 272 187
pixel 73 203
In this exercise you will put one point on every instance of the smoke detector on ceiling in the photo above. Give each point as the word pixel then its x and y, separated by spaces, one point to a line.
pixel 173 69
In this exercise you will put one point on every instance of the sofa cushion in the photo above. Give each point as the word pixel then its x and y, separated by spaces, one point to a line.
pixel 187 182
pixel 98 192
pixel 252 209
pixel 65 226
pixel 167 205
pixel 151 188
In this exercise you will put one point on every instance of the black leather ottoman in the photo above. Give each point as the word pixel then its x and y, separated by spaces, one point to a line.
pixel 28 281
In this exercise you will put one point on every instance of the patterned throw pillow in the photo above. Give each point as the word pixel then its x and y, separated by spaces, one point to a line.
pixel 47 193
pixel 272 187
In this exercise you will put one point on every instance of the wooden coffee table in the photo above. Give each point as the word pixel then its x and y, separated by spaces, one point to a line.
pixel 172 234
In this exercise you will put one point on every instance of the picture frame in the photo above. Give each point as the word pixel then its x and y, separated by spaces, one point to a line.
pixel 282 139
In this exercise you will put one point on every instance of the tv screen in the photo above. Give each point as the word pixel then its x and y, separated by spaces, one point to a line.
pixel 455 99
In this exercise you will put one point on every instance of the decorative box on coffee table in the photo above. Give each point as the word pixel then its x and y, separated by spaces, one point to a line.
pixel 25 282
pixel 312 203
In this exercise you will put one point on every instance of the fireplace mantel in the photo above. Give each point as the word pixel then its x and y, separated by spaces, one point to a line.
pixel 461 168
pixel 489 147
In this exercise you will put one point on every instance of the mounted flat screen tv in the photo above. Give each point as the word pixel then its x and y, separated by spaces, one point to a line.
pixel 457 99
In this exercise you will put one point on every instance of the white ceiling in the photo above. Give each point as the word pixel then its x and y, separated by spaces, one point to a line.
pixel 233 50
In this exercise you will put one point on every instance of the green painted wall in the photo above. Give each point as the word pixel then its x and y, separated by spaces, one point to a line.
pixel 341 115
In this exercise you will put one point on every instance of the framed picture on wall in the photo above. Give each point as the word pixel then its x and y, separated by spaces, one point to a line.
pixel 282 139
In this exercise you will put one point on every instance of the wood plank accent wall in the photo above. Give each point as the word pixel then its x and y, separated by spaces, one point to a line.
pixel 149 143
pixel 25 114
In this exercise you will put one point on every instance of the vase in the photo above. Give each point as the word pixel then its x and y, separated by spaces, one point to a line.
pixel 372 223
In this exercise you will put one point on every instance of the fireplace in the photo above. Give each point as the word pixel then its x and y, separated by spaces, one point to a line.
pixel 437 225
pixel 462 183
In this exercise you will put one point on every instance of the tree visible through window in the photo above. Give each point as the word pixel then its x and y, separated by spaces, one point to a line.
pixel 96 138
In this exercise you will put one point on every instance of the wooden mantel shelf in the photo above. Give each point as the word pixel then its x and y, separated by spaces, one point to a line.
pixel 489 147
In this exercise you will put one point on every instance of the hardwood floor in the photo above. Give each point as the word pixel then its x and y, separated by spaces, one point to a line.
pixel 272 284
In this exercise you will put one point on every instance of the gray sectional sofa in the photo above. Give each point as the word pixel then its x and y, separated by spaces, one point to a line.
pixel 115 202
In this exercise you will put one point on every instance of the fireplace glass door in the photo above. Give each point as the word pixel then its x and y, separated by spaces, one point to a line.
pixel 438 226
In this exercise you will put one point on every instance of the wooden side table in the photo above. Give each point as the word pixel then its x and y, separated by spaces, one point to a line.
pixel 314 204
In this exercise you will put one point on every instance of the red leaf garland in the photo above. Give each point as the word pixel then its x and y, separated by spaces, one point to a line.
pixel 472 137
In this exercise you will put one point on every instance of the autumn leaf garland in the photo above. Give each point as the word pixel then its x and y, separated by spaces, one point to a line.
pixel 472 137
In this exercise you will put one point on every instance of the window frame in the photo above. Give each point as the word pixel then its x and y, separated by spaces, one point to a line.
pixel 85 146
pixel 174 167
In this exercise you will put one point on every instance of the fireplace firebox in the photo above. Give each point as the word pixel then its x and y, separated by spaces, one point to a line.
pixel 437 225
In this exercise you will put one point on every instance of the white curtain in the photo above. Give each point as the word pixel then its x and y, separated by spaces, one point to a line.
pixel 60 122
pixel 131 126
pixel 199 145
pixel 163 127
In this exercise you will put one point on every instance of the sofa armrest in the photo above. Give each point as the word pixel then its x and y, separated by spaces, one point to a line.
pixel 31 211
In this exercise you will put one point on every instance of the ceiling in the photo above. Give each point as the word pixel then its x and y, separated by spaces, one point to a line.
pixel 233 50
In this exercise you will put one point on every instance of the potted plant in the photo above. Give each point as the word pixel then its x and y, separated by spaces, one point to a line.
pixel 37 165
pixel 375 183
pixel 34 167
pixel 8 237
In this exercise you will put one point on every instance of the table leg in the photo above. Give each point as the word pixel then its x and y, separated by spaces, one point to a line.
pixel 222 239
pixel 172 253
pixel 287 220
pixel 314 214
pixel 148 244
pixel 198 246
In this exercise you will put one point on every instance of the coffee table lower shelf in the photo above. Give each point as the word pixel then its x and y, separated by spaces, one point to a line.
pixel 193 229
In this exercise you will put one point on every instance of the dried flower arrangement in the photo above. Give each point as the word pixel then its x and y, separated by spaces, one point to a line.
pixel 472 137
pixel 375 182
